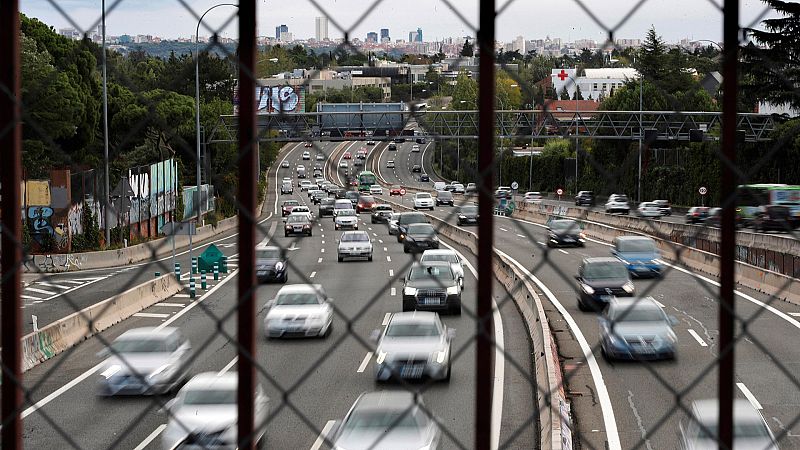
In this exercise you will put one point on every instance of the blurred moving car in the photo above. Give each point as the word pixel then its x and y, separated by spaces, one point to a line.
pixel 304 210
pixel 320 157
pixel 697 214
pixel 271 264
pixel 354 244
pixel 365 203
pixel 318 196
pixel 343 165
pixel 420 237
pixel 144 361
pixel 390 164
pixel 471 188
pixel 618 203
pixel 413 345
pixel 700 431
pixel 423 200
pixel 345 218
pixel 664 207
pixel 395 190
pixel 714 217
pixel 306 156
pixel 444 198
pixel 347 155
pixel 416 168
pixel 386 420
pixel 415 148
pixel 424 178
pixel 297 224
pixel 637 329
pixel 285 164
pixel 341 204
pixel 392 223
pixel 353 196
pixel 448 256
pixel 305 185
pixel 648 209
pixel 381 213
pixel 376 190
pixel 532 198
pixel 370 142
pixel 600 279
pixel 308 144
pixel 431 286
pixel 564 232
pixel 639 254
pixel 392 146
pixel 326 207
pixel 458 188
pixel 299 310
pixel 468 214
pixel 585 198
pixel 405 219
pixel 287 188
pixel 204 413
pixel 773 218
pixel 287 206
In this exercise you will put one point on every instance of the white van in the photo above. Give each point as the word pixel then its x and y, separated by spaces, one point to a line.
pixel 439 186
pixel 341 204
pixel 301 172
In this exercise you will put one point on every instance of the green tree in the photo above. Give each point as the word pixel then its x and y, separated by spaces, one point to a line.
pixel 652 57
pixel 564 95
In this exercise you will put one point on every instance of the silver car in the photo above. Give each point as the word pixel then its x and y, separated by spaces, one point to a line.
pixel 413 345
pixel 354 244
pixel 299 310
pixel 392 222
pixel 750 429
pixel 387 420
pixel 637 329
pixel 145 361
pixel 203 415
pixel 446 255
pixel 346 218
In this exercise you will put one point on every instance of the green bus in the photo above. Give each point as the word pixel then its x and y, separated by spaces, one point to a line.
pixel 365 180
pixel 750 197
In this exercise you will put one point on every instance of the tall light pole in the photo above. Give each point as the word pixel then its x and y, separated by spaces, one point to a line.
pixel 106 213
pixel 641 133
pixel 577 142
pixel 197 98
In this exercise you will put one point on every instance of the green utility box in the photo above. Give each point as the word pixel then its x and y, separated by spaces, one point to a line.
pixel 209 257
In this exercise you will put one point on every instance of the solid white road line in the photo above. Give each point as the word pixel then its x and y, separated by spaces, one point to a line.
pixel 363 366
pixel 227 367
pixel 57 286
pixel 697 338
pixel 393 291
pixel 29 297
pixel 386 318
pixel 142 445
pixel 72 281
pixel 563 251
pixel 182 295
pixel 609 420
pixel 153 315
pixel 521 235
pixel 313 274
pixel 171 305
pixel 749 396
pixel 795 314
pixel 323 435
pixel 40 291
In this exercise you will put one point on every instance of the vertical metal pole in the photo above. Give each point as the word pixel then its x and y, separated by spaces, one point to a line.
pixel 727 311
pixel 486 131
pixel 11 256
pixel 106 212
pixel 458 158
pixel 577 142
pixel 641 134
pixel 248 154
pixel 197 114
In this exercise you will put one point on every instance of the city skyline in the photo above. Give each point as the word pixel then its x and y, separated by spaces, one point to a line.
pixel 170 20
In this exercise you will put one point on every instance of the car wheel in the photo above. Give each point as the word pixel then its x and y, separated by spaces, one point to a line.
pixel 369 258
pixel 285 234
pixel 310 232
pixel 456 309
pixel 285 277
pixel 449 371
pixel 340 258
pixel 431 208
pixel 328 331
pixel 459 223
pixel 372 220
pixel 355 227
pixel 405 249
pixel 581 306
pixel 407 306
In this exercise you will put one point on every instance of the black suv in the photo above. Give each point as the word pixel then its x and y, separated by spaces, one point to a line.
pixel 564 232
pixel 406 219
pixel 381 213
pixel 420 237
pixel 431 286
pixel 600 280
pixel 584 198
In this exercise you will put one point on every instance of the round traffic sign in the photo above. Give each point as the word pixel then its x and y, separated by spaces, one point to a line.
pixel 702 190
pixel 402 191
pixel 515 185
pixel 560 191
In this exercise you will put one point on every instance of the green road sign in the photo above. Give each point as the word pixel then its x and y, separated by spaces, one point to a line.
pixel 209 257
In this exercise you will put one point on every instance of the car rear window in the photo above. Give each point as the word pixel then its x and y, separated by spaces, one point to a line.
pixel 636 246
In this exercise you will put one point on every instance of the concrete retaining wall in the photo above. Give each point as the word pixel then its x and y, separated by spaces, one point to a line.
pixel 62 334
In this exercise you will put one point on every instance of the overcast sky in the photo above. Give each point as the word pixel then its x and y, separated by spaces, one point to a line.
pixel 673 19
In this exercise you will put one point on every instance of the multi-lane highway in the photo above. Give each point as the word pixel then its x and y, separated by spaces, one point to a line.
pixel 643 395
pixel 311 382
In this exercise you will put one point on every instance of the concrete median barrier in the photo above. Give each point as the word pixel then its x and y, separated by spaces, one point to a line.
pixel 62 334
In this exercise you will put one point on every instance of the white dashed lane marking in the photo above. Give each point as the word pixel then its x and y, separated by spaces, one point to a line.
pixel 697 338
pixel 313 274
pixel 153 315
pixel 391 272
pixel 388 258
pixel 749 396
pixel 319 260
pixel 386 318
pixel 563 251
pixel 393 292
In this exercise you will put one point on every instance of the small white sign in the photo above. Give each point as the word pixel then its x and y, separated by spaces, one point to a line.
pixel 402 192
pixel 702 190
pixel 560 191
pixel 515 185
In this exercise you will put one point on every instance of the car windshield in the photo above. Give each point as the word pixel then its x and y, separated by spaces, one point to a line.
pixel 291 203
pixel 327 201
pixel 604 271
pixel 346 212
pixel 297 298
pixel 620 198
pixel 469 210
pixel 741 430
pixel 412 218
pixel 444 194
pixel 270 253
pixel 299 218
pixel 421 228
pixel 412 330
pixel 637 314
pixel 437 272
pixel 564 226
pixel 636 246
pixel 355 237
pixel 140 345
pixel 440 257
pixel 367 199
pixel 210 397
pixel 383 208
pixel 423 195
pixel 366 420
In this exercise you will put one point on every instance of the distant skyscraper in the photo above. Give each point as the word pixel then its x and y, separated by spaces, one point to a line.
pixel 322 29
pixel 411 35
pixel 419 34
pixel 280 29
pixel 385 35
pixel 372 37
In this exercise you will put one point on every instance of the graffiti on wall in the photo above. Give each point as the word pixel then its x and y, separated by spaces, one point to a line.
pixel 40 219
pixel 276 100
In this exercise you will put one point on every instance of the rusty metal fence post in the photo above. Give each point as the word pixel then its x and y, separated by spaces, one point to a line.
pixel 248 157
pixel 486 123
pixel 727 313
pixel 11 257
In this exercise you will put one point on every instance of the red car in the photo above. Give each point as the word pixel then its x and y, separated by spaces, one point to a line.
pixel 353 182
pixel 365 203
pixel 308 144
pixel 287 207
pixel 395 190
pixel 347 155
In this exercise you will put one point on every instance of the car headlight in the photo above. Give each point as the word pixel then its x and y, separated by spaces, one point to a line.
pixel 410 291
pixel 438 357
pixel 452 290
pixel 279 266
pixel 381 357
pixel 435 239
pixel 628 287
pixel 671 337
pixel 163 370
pixel 288 227
pixel 111 371
pixel 588 289
pixel 461 216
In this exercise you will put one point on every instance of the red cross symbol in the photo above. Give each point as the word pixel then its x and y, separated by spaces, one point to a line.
pixel 563 75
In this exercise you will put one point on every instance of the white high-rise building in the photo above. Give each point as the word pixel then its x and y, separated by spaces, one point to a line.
pixel 322 29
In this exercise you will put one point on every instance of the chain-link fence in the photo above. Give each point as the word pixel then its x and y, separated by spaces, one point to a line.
pixel 134 338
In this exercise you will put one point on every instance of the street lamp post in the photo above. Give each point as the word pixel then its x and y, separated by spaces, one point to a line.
pixel 106 217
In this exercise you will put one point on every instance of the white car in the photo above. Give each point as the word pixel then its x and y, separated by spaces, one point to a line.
pixel 648 209
pixel 345 218
pixel 320 157
pixel 343 164
pixel 445 255
pixel 285 164
pixel 354 244
pixel 306 185
pixel 304 211
pixel 375 190
pixel 299 310
pixel 532 198
pixel 390 164
pixel 423 200
pixel 306 156
pixel 204 413
pixel 289 179
pixel 618 203
pixel 415 148
pixel 458 188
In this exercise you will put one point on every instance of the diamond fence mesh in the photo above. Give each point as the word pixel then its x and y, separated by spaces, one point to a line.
pixel 518 364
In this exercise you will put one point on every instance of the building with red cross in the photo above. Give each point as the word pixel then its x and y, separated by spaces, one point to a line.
pixel 594 84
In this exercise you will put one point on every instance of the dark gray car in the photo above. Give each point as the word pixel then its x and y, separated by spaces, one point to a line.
pixel 431 286
pixel 468 214
pixel 271 264
pixel 326 207
pixel 405 219
pixel 420 237
pixel 600 280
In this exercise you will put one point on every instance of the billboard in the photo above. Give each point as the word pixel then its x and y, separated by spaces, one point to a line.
pixel 285 99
